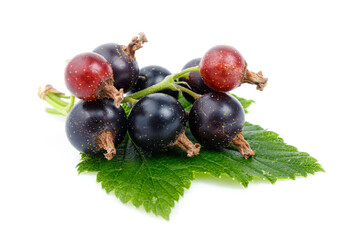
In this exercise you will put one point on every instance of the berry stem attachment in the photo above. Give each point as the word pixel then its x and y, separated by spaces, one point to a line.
pixel 108 90
pixel 168 83
pixel 255 79
pixel 185 144
pixel 243 146
pixel 105 140
pixel 53 97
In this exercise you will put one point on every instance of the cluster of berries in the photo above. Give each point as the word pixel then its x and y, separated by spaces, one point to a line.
pixel 157 120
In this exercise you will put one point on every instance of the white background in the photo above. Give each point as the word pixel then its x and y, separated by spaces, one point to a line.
pixel 308 49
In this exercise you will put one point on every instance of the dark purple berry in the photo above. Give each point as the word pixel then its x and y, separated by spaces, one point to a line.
pixel 92 127
pixel 157 122
pixel 216 120
pixel 125 69
pixel 123 61
pixel 151 75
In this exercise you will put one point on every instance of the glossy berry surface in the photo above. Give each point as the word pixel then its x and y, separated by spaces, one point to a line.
pixel 195 80
pixel 125 68
pixel 86 120
pixel 222 68
pixel 151 75
pixel 85 73
pixel 156 121
pixel 215 119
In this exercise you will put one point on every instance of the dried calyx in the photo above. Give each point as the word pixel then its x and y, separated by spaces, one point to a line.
pixel 135 44
pixel 243 146
pixel 108 90
pixel 105 140
pixel 255 79
pixel 42 93
pixel 185 144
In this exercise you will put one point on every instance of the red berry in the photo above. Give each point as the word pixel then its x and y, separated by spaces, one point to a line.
pixel 223 68
pixel 89 77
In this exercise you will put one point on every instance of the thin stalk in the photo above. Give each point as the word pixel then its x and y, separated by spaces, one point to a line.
pixel 60 107
pixel 188 91
pixel 185 72
pixel 186 75
pixel 132 101
pixel 54 104
pixel 64 96
pixel 71 104
pixel 167 83
pixel 54 111
pixel 57 99
pixel 184 83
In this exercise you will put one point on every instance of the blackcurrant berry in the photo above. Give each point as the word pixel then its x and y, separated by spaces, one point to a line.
pixel 157 122
pixel 95 126
pixel 223 68
pixel 151 75
pixel 216 120
pixel 89 77
pixel 123 61
pixel 194 80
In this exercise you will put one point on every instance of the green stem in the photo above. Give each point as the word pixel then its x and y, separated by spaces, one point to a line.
pixel 71 103
pixel 132 101
pixel 164 84
pixel 167 83
pixel 186 75
pixel 64 96
pixel 59 107
pixel 56 98
pixel 54 111
pixel 188 91
pixel 185 72
pixel 54 104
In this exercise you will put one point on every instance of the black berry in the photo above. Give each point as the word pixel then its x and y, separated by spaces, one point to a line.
pixel 125 69
pixel 216 120
pixel 157 123
pixel 151 75
pixel 123 61
pixel 95 126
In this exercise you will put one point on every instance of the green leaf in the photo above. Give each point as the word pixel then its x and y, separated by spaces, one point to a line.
pixel 273 159
pixel 244 102
pixel 126 108
pixel 185 103
pixel 156 182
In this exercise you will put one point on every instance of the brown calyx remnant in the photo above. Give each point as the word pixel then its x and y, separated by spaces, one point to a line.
pixel 105 140
pixel 135 44
pixel 185 144
pixel 243 146
pixel 48 89
pixel 256 79
pixel 108 90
